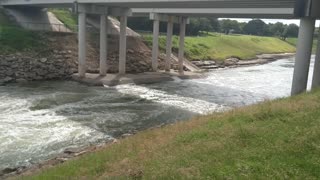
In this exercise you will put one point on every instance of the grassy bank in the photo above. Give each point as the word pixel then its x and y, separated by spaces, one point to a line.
pixel 278 140
pixel 294 41
pixel 16 39
pixel 66 16
pixel 220 47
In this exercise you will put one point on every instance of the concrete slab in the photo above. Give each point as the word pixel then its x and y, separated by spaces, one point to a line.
pixel 142 78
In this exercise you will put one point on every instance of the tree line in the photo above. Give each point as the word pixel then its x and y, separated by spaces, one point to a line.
pixel 227 26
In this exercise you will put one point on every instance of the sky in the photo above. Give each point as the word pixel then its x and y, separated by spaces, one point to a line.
pixel 285 21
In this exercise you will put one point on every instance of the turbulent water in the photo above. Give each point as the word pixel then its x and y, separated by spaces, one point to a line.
pixel 40 120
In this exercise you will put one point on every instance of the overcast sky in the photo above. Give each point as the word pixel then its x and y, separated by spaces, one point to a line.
pixel 276 20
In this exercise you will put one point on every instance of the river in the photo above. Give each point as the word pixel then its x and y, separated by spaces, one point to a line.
pixel 39 120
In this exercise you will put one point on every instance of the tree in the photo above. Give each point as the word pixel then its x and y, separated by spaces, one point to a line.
pixel 291 31
pixel 255 27
pixel 194 27
pixel 241 27
pixel 215 25
pixel 205 24
pixel 277 29
pixel 227 25
pixel 140 23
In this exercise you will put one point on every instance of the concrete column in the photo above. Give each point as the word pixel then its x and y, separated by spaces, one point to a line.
pixel 82 45
pixel 155 45
pixel 123 45
pixel 181 43
pixel 103 44
pixel 169 44
pixel 302 62
pixel 316 71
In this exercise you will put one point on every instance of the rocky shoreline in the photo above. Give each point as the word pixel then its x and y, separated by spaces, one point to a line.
pixel 61 64
pixel 235 62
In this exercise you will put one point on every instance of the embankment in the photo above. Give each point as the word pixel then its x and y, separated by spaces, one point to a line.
pixel 34 55
pixel 277 139
pixel 219 47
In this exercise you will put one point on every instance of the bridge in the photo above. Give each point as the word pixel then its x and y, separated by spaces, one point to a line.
pixel 178 11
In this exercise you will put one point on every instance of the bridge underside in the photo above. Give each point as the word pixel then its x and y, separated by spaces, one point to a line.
pixel 177 11
pixel 161 3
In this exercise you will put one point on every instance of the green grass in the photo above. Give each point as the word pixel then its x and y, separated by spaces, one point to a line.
pixel 294 41
pixel 66 17
pixel 4 20
pixel 14 38
pixel 272 140
pixel 220 47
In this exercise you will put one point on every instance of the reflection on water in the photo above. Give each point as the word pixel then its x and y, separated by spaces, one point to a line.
pixel 41 119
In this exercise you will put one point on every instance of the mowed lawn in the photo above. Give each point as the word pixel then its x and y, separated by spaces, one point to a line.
pixel 273 140
pixel 294 41
pixel 220 47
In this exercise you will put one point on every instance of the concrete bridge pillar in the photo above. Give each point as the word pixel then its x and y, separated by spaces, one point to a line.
pixel 155 45
pixel 103 44
pixel 82 45
pixel 183 23
pixel 304 50
pixel 316 71
pixel 123 45
pixel 169 44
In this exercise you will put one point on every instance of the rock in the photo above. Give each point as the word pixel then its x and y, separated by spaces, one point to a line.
pixel 143 63
pixel 21 80
pixel 43 60
pixel 130 51
pixel 7 79
pixel 231 61
pixel 8 171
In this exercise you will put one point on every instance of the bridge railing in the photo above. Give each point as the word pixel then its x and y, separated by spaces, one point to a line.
pixel 49 27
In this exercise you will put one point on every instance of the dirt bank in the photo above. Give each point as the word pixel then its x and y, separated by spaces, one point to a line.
pixel 235 62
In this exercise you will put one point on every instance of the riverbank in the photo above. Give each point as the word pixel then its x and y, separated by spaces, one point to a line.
pixel 235 62
pixel 219 47
pixel 276 139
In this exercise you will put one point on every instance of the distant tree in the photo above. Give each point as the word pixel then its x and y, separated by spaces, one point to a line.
pixel 140 23
pixel 227 25
pixel 291 31
pixel 205 24
pixel 215 25
pixel 255 27
pixel 194 27
pixel 277 29
pixel 241 27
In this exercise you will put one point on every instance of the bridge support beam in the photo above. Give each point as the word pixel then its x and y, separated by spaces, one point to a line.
pixel 169 44
pixel 316 71
pixel 302 62
pixel 155 45
pixel 123 45
pixel 181 43
pixel 103 44
pixel 82 45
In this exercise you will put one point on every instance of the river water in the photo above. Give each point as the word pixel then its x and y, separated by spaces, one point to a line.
pixel 39 120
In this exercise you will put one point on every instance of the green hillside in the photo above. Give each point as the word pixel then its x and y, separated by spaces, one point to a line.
pixel 220 47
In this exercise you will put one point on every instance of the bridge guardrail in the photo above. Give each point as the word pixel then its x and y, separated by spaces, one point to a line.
pixel 52 27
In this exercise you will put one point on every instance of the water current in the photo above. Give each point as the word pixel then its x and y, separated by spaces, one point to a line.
pixel 39 120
